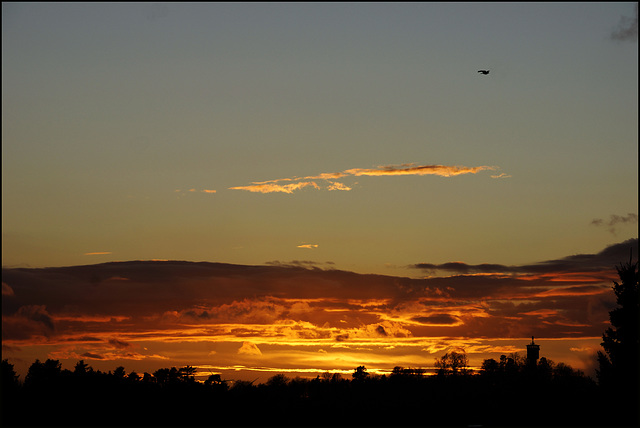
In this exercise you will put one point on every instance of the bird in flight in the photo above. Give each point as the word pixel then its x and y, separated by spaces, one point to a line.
pixel 485 72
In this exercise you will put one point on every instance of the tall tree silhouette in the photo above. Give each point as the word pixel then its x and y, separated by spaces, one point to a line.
pixel 9 388
pixel 82 368
pixel 187 373
pixel 43 374
pixel 619 368
pixel 9 377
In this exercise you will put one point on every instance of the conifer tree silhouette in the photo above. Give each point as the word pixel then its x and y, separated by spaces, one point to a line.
pixel 618 372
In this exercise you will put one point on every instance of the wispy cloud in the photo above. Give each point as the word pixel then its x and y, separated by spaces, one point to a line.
pixel 272 187
pixel 308 246
pixel 410 169
pixel 501 175
pixel 98 253
pixel 306 264
pixel 615 220
pixel 196 191
pixel 329 178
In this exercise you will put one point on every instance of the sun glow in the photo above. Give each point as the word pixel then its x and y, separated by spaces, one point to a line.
pixel 291 317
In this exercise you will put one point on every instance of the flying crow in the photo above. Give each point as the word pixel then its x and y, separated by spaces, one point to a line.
pixel 485 72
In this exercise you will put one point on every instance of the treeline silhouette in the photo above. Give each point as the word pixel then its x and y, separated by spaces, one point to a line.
pixel 507 392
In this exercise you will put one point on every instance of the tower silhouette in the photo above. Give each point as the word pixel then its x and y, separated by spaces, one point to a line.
pixel 533 352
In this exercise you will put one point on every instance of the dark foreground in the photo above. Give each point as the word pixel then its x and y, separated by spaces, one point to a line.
pixel 498 396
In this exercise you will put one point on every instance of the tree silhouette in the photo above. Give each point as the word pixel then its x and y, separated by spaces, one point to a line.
pixel 360 373
pixel 174 375
pixel 43 374
pixel 618 371
pixel 278 381
pixel 119 373
pixel 9 376
pixel 621 342
pixel 148 378
pixel 452 363
pixel 9 389
pixel 187 373
pixel 214 379
pixel 500 394
pixel 407 372
pixel 161 376
pixel 82 368
pixel 133 377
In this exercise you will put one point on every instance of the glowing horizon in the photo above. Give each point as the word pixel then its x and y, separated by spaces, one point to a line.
pixel 305 319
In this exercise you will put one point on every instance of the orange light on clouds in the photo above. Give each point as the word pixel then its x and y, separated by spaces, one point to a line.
pixel 308 246
pixel 411 169
pixel 542 313
pixel 295 316
pixel 501 175
pixel 274 188
pixel 338 186
pixel 271 186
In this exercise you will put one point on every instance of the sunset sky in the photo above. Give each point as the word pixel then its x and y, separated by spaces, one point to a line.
pixel 360 193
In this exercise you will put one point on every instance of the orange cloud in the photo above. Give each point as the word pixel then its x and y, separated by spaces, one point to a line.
pixel 90 318
pixel 542 313
pixel 502 175
pixel 409 169
pixel 197 191
pixel 286 313
pixel 98 253
pixel 338 186
pixel 585 290
pixel 249 348
pixel 271 186
pixel 309 246
pixel 6 290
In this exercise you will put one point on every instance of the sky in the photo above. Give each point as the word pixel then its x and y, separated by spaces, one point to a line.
pixel 353 138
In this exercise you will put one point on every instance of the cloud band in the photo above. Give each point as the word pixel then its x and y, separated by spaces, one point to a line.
pixel 297 183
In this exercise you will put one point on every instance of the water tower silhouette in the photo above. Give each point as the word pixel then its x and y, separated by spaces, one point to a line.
pixel 533 352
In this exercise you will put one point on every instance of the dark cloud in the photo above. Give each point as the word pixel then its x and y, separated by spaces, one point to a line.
pixel 181 300
pixel 463 268
pixel 120 344
pixel 627 29
pixel 93 356
pixel 6 290
pixel 86 339
pixel 37 313
pixel 615 220
pixel 606 259
pixel 28 321
pixel 308 264
pixel 436 319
